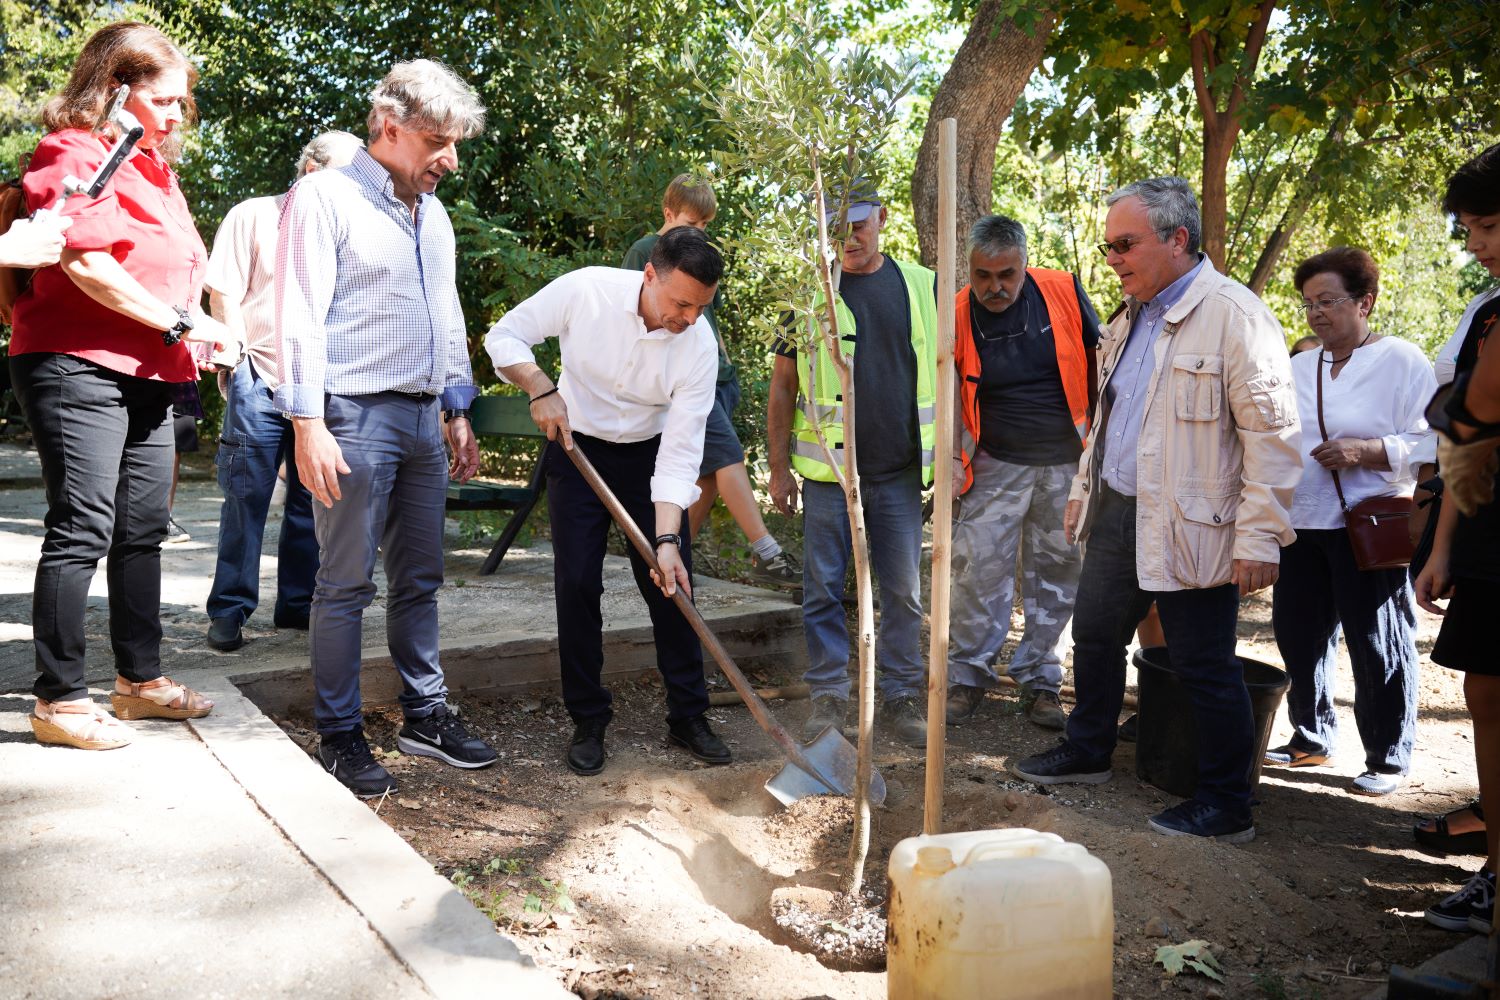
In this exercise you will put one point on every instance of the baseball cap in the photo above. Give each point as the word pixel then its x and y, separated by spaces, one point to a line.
pixel 863 200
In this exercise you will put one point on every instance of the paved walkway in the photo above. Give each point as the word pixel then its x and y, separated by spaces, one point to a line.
pixel 214 858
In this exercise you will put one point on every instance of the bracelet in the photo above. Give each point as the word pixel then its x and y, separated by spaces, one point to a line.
pixel 669 539
pixel 543 395
pixel 455 413
pixel 173 336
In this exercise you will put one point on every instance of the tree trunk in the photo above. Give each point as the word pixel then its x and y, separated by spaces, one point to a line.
pixel 1218 144
pixel 980 89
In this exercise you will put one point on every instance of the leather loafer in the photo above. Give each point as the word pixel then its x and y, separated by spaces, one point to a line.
pixel 699 740
pixel 586 752
pixel 224 635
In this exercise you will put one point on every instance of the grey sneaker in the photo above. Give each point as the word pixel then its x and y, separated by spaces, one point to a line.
pixel 826 711
pixel 1046 711
pixel 175 532
pixel 781 570
pixel 905 716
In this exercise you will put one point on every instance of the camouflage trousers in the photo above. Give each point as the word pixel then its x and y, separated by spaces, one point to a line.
pixel 1010 511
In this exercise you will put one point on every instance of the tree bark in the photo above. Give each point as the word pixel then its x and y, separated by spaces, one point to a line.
pixel 1307 190
pixel 989 72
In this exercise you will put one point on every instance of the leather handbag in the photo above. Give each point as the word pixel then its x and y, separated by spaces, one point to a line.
pixel 1378 526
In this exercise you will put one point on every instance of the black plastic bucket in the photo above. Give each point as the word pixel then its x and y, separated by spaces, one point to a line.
pixel 1166 751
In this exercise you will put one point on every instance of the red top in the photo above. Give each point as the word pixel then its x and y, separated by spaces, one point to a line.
pixel 142 220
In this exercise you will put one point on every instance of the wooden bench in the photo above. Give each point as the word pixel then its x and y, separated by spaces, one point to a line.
pixel 501 416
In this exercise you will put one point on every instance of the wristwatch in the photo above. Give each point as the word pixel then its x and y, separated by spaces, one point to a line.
pixel 455 413
pixel 173 336
pixel 669 540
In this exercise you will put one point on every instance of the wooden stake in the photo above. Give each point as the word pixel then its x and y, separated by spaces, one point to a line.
pixel 942 464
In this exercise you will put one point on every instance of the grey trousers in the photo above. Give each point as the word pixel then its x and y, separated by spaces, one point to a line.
pixel 1011 510
pixel 393 500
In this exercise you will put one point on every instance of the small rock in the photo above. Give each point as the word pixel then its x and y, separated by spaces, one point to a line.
pixel 1156 927
pixel 408 803
pixel 1214 993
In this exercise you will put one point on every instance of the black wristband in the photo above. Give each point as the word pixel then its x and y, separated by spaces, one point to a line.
pixel 455 414
pixel 543 395
pixel 173 336
pixel 672 539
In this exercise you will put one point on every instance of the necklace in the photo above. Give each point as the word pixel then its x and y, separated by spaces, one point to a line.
pixel 980 335
pixel 1338 361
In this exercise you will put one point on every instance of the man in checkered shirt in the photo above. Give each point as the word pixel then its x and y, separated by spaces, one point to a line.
pixel 371 338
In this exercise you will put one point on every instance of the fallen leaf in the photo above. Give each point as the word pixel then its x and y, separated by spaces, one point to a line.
pixel 1194 955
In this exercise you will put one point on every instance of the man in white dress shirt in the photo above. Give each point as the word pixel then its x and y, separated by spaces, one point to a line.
pixel 639 364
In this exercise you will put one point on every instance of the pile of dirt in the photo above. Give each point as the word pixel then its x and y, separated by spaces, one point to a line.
pixel 661 877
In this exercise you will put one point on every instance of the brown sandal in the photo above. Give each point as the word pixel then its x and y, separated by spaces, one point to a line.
pixel 162 698
pixel 80 724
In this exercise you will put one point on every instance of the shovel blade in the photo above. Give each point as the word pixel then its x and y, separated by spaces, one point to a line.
pixel 832 766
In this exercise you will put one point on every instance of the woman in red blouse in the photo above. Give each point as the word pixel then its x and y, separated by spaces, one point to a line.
pixel 97 347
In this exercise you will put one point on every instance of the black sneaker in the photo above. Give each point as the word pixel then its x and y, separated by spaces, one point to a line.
pixel 176 533
pixel 1199 819
pixel 1064 764
pixel 827 710
pixel 905 717
pixel 586 751
pixel 1130 729
pixel 441 735
pixel 224 634
pixel 695 735
pixel 347 757
pixel 1475 901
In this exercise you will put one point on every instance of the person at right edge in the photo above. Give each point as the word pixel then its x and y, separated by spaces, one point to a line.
pixel 1183 493
pixel 1464 566
pixel 888 320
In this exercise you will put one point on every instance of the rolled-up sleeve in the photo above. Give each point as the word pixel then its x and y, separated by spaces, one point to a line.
pixel 1262 396
pixel 98 223
pixel 544 315
pixel 677 461
pixel 1413 444
pixel 306 269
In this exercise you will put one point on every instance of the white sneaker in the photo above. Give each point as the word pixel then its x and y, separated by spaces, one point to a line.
pixel 1375 783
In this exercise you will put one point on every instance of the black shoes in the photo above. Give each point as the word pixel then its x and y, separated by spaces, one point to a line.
pixel 441 735
pixel 695 735
pixel 1064 764
pixel 224 634
pixel 1199 819
pixel 827 710
pixel 586 751
pixel 347 757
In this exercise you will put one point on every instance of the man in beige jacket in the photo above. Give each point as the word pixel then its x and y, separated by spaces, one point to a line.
pixel 1183 493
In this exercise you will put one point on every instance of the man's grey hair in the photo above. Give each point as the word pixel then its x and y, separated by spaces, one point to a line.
pixel 995 234
pixel 330 149
pixel 1170 205
pixel 424 95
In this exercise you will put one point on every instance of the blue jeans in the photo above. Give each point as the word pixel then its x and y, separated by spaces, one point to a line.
pixel 1320 589
pixel 1200 630
pixel 393 500
pixel 893 525
pixel 255 440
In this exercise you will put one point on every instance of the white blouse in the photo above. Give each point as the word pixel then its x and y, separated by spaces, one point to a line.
pixel 1381 392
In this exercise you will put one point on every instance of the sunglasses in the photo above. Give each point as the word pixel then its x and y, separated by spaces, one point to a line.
pixel 1125 244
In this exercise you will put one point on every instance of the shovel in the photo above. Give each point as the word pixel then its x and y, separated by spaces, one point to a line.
pixel 827 764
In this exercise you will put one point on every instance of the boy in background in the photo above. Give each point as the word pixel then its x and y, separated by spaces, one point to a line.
pixel 690 201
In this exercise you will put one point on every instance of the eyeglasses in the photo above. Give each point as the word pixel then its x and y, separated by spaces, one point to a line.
pixel 1323 305
pixel 1125 244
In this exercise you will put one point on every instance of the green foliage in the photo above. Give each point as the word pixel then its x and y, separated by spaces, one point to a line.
pixel 495 886
pixel 806 119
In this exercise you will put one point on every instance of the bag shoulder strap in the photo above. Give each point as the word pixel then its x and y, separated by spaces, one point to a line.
pixel 1323 430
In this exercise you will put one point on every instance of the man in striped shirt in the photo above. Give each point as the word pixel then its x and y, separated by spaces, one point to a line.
pixel 256 438
pixel 371 338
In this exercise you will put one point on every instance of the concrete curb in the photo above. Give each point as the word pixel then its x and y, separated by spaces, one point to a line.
pixel 427 924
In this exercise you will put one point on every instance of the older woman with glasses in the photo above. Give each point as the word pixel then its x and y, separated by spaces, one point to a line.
pixel 1361 398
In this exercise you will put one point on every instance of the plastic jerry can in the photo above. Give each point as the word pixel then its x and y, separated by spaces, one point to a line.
pixel 1011 914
